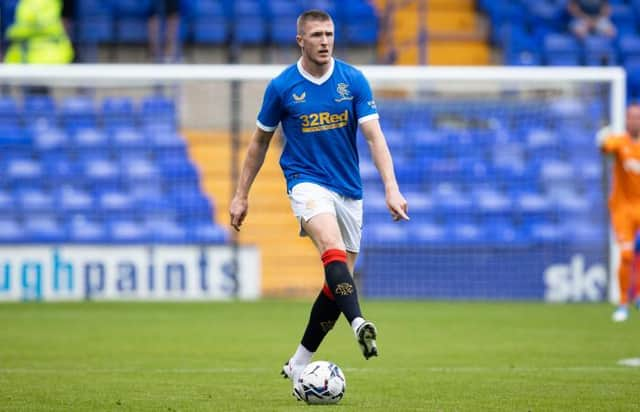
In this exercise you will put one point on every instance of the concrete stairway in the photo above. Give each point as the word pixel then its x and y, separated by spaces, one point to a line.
pixel 290 264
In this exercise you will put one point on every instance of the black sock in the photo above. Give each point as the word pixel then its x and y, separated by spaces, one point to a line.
pixel 324 314
pixel 341 283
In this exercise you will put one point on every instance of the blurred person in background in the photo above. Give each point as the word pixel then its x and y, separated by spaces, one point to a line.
pixel 164 48
pixel 590 17
pixel 624 200
pixel 37 36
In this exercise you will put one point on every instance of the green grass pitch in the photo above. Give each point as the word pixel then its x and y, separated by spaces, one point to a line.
pixel 435 356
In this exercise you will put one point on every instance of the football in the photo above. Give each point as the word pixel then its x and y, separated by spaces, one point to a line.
pixel 321 382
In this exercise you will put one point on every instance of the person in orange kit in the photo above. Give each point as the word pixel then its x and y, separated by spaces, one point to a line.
pixel 624 200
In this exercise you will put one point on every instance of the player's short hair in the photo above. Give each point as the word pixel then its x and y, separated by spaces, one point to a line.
pixel 311 15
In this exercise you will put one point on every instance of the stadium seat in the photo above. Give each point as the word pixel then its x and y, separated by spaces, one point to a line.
pixel 33 200
pixel 128 138
pixel 466 233
pixel 91 139
pixel 164 230
pixel 40 110
pixel 430 233
pixel 629 47
pixel 51 139
pixel 115 202
pixel 127 231
pixel 561 50
pixel 118 112
pixel 210 29
pixel 101 170
pixel 80 229
pixel 43 229
pixel 207 232
pixel 11 231
pixel 599 51
pixel 532 205
pixel 131 30
pixel 14 137
pixel 386 233
pixel 7 202
pixel 544 233
pixel 23 170
pixel 70 199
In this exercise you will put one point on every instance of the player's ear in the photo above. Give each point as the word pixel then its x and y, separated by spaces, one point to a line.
pixel 299 41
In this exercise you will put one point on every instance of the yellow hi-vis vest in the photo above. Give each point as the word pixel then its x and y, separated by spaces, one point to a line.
pixel 37 36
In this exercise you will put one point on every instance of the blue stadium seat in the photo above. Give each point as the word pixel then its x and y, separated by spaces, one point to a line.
pixel 533 205
pixel 546 13
pixel 210 29
pixel 561 50
pixel 386 233
pixel 158 110
pixel 51 139
pixel 43 229
pixel 249 30
pixel 60 168
pixel 131 30
pixel 74 199
pixel 127 231
pixel 466 233
pixel 573 207
pixel 544 233
pixel 118 112
pixel 585 231
pixel 101 172
pixel 78 111
pixel 40 109
pixel 23 170
pixel 140 170
pixel 429 233
pixel 94 29
pixel 282 30
pixel 599 51
pixel 15 137
pixel 33 200
pixel 128 138
pixel 623 18
pixel 115 202
pixel 629 47
pixel 9 111
pixel 165 230
pixel 207 232
pixel 7 202
pixel 90 139
pixel 491 202
pixel 362 26
pixel 137 8
pixel 81 229
pixel 11 231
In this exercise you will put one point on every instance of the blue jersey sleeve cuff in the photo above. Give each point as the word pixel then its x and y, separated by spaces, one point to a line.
pixel 373 116
pixel 265 127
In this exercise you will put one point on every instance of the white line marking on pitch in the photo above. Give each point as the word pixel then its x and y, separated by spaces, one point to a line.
pixel 444 369
pixel 633 362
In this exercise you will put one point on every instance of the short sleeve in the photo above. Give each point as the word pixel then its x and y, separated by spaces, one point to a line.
pixel 612 143
pixel 270 112
pixel 365 106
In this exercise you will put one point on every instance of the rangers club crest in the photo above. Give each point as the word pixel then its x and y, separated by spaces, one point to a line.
pixel 344 93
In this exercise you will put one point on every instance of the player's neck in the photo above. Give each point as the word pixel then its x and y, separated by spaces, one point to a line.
pixel 315 69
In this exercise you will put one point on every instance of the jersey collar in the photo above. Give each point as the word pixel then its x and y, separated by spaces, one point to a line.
pixel 313 79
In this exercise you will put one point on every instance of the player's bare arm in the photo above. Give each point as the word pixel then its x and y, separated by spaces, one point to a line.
pixel 256 153
pixel 381 156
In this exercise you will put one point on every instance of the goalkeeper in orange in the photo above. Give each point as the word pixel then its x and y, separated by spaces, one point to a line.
pixel 624 200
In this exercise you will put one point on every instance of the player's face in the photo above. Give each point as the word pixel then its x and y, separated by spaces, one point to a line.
pixel 633 121
pixel 316 41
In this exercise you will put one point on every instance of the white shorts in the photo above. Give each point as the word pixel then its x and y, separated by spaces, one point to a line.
pixel 311 199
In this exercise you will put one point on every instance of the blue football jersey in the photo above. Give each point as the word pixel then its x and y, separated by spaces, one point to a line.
pixel 319 118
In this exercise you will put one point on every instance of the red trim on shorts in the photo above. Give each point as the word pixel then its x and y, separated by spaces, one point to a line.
pixel 333 255
pixel 327 292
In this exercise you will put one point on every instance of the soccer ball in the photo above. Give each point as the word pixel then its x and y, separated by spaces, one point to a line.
pixel 321 382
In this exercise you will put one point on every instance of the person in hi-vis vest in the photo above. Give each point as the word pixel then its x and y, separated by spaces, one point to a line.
pixel 37 35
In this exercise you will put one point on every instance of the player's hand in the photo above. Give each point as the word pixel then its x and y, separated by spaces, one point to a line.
pixel 238 211
pixel 397 205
